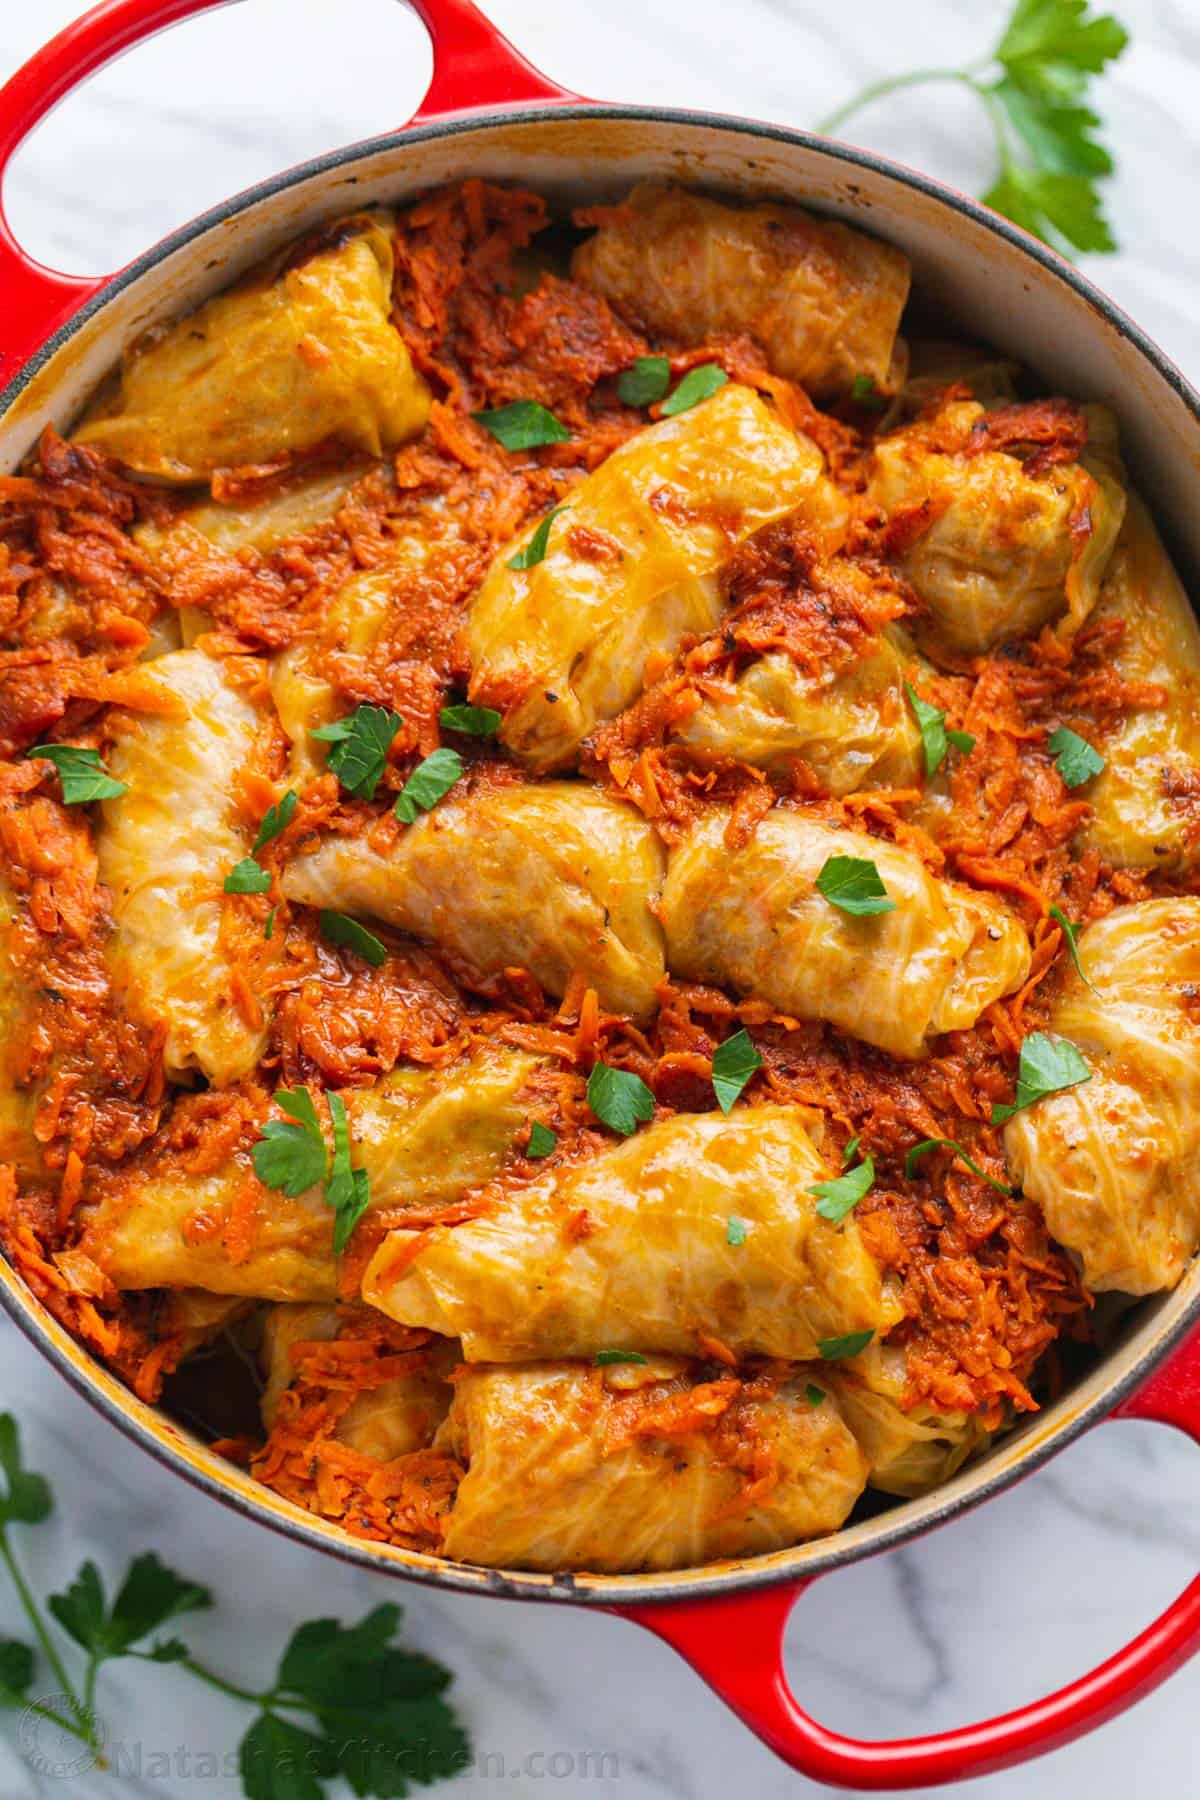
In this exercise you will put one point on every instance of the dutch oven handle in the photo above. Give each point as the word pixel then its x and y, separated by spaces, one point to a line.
pixel 736 1645
pixel 473 66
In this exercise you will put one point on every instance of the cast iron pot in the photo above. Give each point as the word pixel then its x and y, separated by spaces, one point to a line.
pixel 489 113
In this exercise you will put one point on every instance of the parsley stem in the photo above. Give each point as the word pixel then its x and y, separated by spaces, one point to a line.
pixel 33 1614
pixel 69 1725
pixel 227 1687
pixel 890 85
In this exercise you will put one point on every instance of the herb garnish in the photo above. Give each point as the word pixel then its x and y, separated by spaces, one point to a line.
pixel 1074 758
pixel 850 1150
pixel 1070 933
pixel 864 392
pixel 472 721
pixel 348 1189
pixel 83 776
pixel 290 1155
pixel 733 1064
pixel 340 928
pixel 535 550
pixel 276 819
pixel 541 1141
pixel 429 781
pixel 735 1231
pixel 605 1358
pixel 523 425
pixel 1034 88
pixel 645 382
pixel 814 1395
pixel 853 884
pixel 927 1144
pixel 842 1194
pixel 935 738
pixel 247 877
pixel 376 1710
pixel 1047 1066
pixel 835 1348
pixel 269 927
pixel 360 742
pixel 700 383
pixel 619 1098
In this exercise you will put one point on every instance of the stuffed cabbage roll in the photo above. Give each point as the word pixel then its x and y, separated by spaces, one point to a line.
pixel 551 878
pixel 288 508
pixel 424 1136
pixel 823 300
pixel 1152 753
pixel 994 549
pixel 631 1251
pixel 293 356
pixel 18 1145
pixel 934 364
pixel 852 725
pixel 165 848
pixel 753 919
pixel 1114 1163
pixel 910 1449
pixel 385 1419
pixel 639 1468
pixel 633 565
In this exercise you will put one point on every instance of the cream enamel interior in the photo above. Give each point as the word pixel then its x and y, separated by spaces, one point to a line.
pixel 985 285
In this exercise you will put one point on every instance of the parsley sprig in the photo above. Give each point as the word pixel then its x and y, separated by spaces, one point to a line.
pixel 1034 88
pixel 1047 1066
pixel 290 1155
pixel 374 1712
pixel 84 777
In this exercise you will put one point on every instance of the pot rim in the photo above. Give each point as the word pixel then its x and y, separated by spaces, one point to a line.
pixel 907 1520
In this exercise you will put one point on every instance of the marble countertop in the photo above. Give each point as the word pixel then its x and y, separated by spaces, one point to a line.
pixel 1005 1604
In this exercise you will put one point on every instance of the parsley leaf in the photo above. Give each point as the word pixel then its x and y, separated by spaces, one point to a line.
pixel 927 1144
pixel 840 1196
pixel 247 877
pixel 835 1348
pixel 935 738
pixel 276 819
pixel 472 721
pixel 1047 1066
pixel 735 1232
pixel 604 1358
pixel 645 382
pixel 291 1156
pixel 360 742
pixel 348 1189
pixel 339 928
pixel 535 550
pixel 1071 934
pixel 698 384
pixel 269 927
pixel 280 1761
pixel 850 1150
pixel 524 425
pixel 26 1497
pixel 864 393
pixel 619 1098
pixel 733 1064
pixel 1075 759
pixel 83 776
pixel 150 1594
pixel 814 1395
pixel 427 784
pixel 541 1141
pixel 853 884
pixel 16 1671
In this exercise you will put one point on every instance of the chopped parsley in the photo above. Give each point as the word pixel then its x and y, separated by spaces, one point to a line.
pixel 339 928
pixel 835 1348
pixel 269 927
pixel 247 877
pixel 290 1155
pixel 841 1195
pixel 619 1098
pixel 814 1395
pixel 276 819
pixel 935 739
pixel 1070 933
pixel 864 393
pixel 348 1189
pixel 850 1150
pixel 927 1144
pixel 606 1358
pixel 472 721
pixel 734 1063
pixel 853 884
pixel 523 425
pixel 360 742
pixel 83 776
pixel 735 1232
pixel 645 382
pixel 1074 758
pixel 541 1141
pixel 535 550
pixel 1047 1066
pixel 698 384
pixel 429 781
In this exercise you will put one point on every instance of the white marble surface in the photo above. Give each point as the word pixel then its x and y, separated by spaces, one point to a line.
pixel 1001 1606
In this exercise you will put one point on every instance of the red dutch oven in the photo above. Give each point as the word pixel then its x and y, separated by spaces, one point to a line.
pixel 489 113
